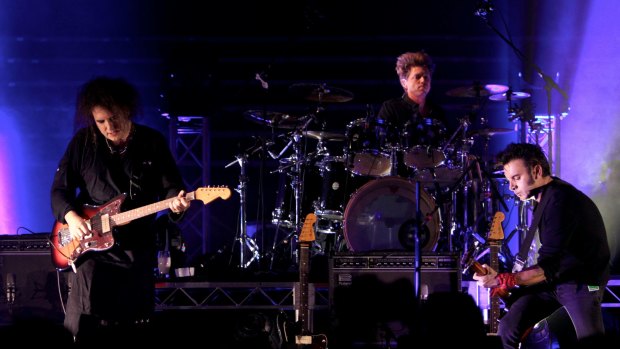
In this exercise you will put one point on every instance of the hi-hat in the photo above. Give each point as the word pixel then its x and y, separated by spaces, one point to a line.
pixel 512 96
pixel 477 90
pixel 321 93
pixel 324 136
pixel 274 118
pixel 488 132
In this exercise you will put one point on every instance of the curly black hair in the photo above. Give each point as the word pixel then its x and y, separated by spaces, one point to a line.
pixel 114 94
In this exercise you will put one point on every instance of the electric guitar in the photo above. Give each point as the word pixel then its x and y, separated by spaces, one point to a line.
pixel 494 239
pixel 102 219
pixel 303 336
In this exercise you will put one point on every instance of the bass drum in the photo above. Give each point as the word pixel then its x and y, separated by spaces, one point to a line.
pixel 381 216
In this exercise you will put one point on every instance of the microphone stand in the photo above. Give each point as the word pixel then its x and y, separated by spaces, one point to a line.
pixel 550 84
pixel 417 263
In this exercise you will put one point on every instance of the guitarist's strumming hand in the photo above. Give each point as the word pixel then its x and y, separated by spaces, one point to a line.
pixel 180 204
pixel 78 226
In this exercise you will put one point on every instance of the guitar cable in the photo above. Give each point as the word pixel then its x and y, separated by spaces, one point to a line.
pixel 58 283
pixel 59 288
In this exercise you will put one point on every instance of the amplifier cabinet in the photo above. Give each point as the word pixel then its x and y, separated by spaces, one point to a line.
pixel 439 272
pixel 30 286
pixel 371 294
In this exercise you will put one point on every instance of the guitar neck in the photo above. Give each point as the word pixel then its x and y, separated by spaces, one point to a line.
pixel 304 257
pixel 494 310
pixel 128 216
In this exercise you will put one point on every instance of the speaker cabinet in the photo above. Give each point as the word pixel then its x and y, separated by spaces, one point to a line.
pixel 372 298
pixel 30 286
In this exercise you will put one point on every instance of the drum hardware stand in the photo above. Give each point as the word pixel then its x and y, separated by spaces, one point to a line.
pixel 394 149
pixel 244 240
pixel 464 154
pixel 462 182
pixel 490 191
pixel 296 183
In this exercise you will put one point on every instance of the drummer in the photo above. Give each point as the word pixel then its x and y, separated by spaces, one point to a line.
pixel 413 119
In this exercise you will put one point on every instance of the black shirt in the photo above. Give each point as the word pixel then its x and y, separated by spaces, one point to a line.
pixel 90 174
pixel 408 128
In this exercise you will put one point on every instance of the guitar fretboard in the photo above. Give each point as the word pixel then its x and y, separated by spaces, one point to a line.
pixel 128 216
pixel 494 310
pixel 304 256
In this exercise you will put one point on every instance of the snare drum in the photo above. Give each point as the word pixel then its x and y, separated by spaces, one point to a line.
pixel 447 174
pixel 383 210
pixel 366 152
pixel 422 157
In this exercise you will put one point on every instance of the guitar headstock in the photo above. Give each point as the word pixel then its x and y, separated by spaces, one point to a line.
pixel 307 230
pixel 208 194
pixel 497 232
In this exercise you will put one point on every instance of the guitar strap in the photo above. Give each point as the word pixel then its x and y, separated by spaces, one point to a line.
pixel 521 257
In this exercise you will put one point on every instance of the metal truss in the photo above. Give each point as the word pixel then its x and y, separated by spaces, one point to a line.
pixel 189 141
pixel 235 295
pixel 611 298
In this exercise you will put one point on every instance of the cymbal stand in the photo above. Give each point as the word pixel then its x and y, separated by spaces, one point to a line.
pixel 486 200
pixel 244 240
pixel 515 113
pixel 466 180
pixel 297 159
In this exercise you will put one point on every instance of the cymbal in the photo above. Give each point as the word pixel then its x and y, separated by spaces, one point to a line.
pixel 274 118
pixel 477 90
pixel 513 96
pixel 321 93
pixel 324 136
pixel 488 132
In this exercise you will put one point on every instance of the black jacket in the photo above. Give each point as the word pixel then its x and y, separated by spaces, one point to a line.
pixel 574 245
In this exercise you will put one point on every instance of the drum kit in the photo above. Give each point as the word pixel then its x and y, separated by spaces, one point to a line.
pixel 353 179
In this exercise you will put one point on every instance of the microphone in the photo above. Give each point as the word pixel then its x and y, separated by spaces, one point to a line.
pixel 483 9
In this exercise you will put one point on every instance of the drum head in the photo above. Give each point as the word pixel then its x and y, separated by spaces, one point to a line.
pixel 382 212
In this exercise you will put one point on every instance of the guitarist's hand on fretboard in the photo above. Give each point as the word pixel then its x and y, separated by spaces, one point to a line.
pixel 180 203
pixel 486 277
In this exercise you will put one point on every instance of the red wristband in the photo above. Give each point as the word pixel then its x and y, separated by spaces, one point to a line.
pixel 506 280
pixel 501 292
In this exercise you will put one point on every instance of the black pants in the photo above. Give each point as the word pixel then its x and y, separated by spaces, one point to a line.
pixel 113 287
